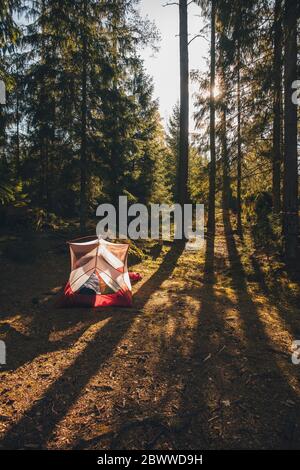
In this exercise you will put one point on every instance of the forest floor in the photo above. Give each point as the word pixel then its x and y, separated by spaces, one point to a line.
pixel 201 361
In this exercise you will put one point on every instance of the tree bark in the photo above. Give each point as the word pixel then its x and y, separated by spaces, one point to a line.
pixel 83 146
pixel 290 183
pixel 184 105
pixel 277 130
pixel 225 159
pixel 212 165
pixel 239 147
pixel 43 143
pixel 17 126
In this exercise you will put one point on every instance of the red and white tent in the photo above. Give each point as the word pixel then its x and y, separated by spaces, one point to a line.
pixel 103 265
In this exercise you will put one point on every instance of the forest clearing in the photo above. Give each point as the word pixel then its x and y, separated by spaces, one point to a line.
pixel 198 362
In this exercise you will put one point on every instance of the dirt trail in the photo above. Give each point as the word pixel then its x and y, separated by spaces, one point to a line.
pixel 201 361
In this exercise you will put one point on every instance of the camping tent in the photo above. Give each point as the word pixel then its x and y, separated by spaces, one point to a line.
pixel 99 276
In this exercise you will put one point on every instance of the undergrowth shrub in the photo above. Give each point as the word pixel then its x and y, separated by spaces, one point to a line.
pixel 265 228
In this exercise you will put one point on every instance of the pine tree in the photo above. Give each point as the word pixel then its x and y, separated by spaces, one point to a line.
pixel 277 111
pixel 290 183
pixel 184 104
pixel 212 165
pixel 172 139
pixel 9 34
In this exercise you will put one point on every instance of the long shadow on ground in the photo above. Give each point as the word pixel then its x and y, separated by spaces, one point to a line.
pixel 206 383
pixel 287 307
pixel 272 404
pixel 150 424
pixel 241 396
pixel 37 425
pixel 29 318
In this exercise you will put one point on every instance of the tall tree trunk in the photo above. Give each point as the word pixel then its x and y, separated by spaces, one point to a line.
pixel 290 183
pixel 2 135
pixel 184 105
pixel 52 202
pixel 83 146
pixel 277 71
pixel 212 166
pixel 43 150
pixel 225 159
pixel 117 188
pixel 17 126
pixel 239 147
pixel 225 162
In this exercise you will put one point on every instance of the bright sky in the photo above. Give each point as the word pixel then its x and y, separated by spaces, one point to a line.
pixel 163 66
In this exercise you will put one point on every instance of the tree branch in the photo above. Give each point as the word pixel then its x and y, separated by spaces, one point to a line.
pixel 197 36
pixel 175 3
